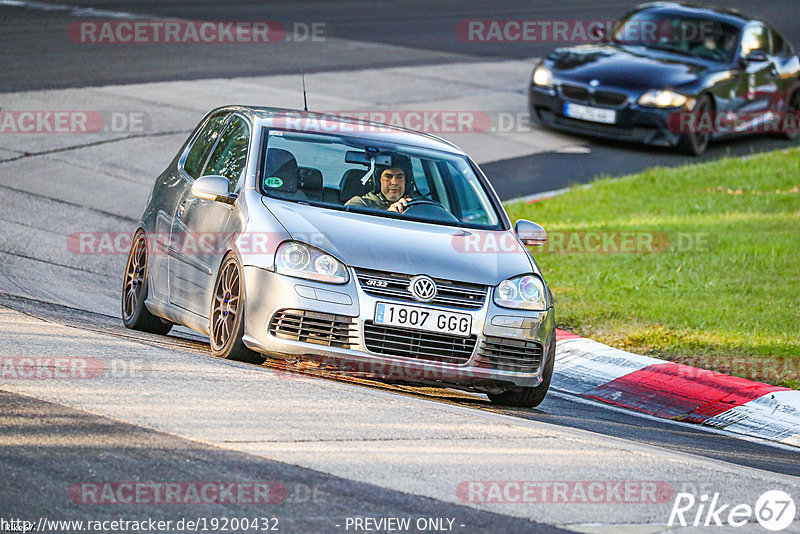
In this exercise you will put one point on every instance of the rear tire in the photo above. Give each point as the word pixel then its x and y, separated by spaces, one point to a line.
pixel 226 326
pixel 135 314
pixel 527 397
pixel 696 143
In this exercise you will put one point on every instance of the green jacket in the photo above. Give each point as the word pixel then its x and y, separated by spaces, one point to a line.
pixel 370 200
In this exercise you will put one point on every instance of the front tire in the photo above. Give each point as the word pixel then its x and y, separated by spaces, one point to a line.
pixel 227 315
pixel 793 107
pixel 135 314
pixel 526 397
pixel 695 143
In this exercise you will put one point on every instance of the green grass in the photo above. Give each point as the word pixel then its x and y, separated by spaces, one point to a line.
pixel 730 303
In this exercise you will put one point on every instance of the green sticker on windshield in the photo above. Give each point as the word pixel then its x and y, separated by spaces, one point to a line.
pixel 273 181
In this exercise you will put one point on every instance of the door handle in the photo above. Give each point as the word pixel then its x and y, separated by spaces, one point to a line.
pixel 181 209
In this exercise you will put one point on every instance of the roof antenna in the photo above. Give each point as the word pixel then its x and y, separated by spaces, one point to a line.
pixel 305 100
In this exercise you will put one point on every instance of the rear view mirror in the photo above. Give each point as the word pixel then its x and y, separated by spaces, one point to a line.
pixel 530 233
pixel 362 158
pixel 213 187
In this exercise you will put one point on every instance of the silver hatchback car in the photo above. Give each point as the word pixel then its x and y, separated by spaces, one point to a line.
pixel 368 249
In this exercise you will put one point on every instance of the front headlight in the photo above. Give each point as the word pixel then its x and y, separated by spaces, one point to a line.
pixel 662 98
pixel 294 258
pixel 543 76
pixel 524 292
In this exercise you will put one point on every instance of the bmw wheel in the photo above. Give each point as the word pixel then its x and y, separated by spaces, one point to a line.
pixel 695 143
pixel 135 314
pixel 793 108
pixel 227 315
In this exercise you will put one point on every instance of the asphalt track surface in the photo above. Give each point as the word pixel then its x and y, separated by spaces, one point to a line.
pixel 45 447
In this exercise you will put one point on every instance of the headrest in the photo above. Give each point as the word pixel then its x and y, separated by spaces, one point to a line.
pixel 309 179
pixel 280 171
pixel 350 185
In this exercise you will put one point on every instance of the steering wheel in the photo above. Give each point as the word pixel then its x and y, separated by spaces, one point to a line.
pixel 429 209
pixel 418 202
pixel 701 50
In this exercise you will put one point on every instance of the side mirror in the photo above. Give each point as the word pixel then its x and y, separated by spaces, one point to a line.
pixel 756 56
pixel 530 233
pixel 213 187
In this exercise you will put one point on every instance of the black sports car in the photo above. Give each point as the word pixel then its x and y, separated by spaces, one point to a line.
pixel 673 75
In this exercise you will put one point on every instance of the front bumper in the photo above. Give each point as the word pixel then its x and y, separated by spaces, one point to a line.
pixel 270 296
pixel 634 123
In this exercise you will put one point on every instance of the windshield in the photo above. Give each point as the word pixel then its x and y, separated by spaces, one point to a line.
pixel 681 34
pixel 346 173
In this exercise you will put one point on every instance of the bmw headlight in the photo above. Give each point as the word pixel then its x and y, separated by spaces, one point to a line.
pixel 524 292
pixel 543 76
pixel 662 98
pixel 304 261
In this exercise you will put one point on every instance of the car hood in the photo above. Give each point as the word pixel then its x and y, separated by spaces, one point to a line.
pixel 631 68
pixel 386 244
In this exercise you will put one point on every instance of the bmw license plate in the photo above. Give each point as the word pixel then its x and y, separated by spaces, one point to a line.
pixel 427 319
pixel 588 113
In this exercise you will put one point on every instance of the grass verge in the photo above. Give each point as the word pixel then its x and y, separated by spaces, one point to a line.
pixel 697 264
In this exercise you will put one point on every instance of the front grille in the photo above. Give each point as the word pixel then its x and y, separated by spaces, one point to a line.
pixel 595 127
pixel 314 327
pixel 393 341
pixel 609 99
pixel 395 286
pixel 508 354
pixel 575 92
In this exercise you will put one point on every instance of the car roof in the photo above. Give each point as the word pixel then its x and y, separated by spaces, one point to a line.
pixel 730 16
pixel 350 126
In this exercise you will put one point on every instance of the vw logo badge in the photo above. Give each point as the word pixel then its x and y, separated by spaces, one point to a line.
pixel 594 83
pixel 423 288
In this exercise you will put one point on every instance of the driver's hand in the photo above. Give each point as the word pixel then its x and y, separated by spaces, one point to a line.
pixel 400 205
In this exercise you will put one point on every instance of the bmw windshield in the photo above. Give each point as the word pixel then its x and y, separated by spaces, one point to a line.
pixel 348 173
pixel 677 33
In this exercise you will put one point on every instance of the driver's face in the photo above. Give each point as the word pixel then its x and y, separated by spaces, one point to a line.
pixel 393 184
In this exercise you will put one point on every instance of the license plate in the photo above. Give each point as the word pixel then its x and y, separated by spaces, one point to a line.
pixel 427 319
pixel 588 113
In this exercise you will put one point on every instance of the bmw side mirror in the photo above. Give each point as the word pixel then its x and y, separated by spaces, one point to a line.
pixel 530 233
pixel 756 56
pixel 213 187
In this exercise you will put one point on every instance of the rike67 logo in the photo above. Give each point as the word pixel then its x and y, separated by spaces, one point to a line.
pixel 774 510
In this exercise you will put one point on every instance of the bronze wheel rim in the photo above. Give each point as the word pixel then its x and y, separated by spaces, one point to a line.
pixel 226 305
pixel 135 275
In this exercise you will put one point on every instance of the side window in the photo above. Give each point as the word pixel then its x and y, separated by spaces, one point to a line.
pixel 420 178
pixel 203 143
pixel 755 38
pixel 779 46
pixel 229 158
